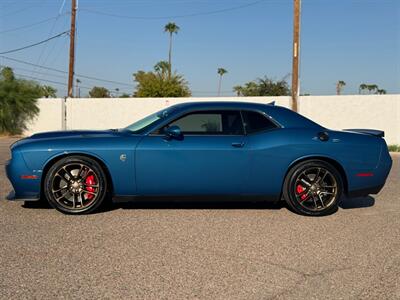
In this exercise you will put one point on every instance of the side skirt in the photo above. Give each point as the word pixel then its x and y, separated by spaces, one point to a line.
pixel 130 198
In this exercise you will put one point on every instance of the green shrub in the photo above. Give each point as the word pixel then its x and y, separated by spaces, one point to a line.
pixel 18 100
pixel 394 148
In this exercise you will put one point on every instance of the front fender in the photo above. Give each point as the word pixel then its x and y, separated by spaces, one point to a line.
pixel 120 171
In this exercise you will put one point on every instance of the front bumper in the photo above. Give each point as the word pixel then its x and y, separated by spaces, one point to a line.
pixel 23 189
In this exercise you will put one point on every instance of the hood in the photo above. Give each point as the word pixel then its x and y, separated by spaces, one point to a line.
pixel 68 134
pixel 75 133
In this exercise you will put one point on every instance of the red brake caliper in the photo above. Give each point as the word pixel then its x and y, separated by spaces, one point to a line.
pixel 90 180
pixel 299 190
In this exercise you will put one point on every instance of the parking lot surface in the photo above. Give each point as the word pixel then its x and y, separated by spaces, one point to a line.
pixel 154 249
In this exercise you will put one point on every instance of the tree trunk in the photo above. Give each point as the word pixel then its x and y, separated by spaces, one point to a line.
pixel 219 85
pixel 169 56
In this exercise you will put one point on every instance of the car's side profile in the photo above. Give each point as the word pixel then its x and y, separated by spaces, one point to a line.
pixel 202 148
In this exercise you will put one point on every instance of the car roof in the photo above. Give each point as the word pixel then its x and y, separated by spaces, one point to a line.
pixel 283 116
pixel 221 104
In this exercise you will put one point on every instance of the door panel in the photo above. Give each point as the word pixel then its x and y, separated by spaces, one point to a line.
pixel 196 165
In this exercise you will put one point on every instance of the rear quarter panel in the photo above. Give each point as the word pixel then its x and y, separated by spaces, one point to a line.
pixel 274 152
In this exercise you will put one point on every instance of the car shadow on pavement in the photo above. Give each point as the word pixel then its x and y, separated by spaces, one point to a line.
pixel 205 203
pixel 197 203
pixel 360 202
pixel 178 203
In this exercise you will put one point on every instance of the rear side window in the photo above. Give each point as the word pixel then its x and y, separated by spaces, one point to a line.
pixel 255 122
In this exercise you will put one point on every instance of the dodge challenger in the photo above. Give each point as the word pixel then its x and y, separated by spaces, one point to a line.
pixel 200 149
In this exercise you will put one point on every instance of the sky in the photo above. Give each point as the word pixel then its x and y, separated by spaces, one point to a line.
pixel 357 41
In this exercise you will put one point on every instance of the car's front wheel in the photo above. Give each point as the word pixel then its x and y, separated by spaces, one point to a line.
pixel 75 185
pixel 313 188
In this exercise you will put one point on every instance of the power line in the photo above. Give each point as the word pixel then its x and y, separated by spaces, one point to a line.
pixel 35 44
pixel 64 72
pixel 45 80
pixel 34 65
pixel 17 11
pixel 36 72
pixel 204 13
pixel 62 83
pixel 49 34
pixel 27 26
pixel 104 80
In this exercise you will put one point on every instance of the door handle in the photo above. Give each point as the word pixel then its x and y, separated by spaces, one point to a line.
pixel 238 144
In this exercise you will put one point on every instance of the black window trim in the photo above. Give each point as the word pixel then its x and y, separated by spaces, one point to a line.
pixel 240 110
pixel 265 115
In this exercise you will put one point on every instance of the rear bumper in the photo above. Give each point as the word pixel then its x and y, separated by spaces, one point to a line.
pixel 363 186
pixel 365 192
pixel 12 197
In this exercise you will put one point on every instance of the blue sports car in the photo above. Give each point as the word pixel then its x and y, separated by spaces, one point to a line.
pixel 207 148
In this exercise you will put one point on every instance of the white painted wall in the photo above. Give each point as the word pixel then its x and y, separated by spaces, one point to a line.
pixel 356 111
pixel 335 112
pixel 49 117
pixel 120 112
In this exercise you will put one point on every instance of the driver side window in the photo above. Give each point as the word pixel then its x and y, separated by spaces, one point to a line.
pixel 227 122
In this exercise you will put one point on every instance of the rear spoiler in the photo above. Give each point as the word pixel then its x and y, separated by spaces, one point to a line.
pixel 378 133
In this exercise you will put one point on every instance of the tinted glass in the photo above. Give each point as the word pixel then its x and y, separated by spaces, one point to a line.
pixel 141 125
pixel 211 122
pixel 255 122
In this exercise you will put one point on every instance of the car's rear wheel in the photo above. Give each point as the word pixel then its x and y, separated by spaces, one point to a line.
pixel 313 188
pixel 75 185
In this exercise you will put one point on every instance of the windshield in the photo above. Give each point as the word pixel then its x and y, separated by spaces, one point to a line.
pixel 143 124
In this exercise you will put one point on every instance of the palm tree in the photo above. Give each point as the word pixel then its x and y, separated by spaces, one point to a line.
pixel 362 87
pixel 49 91
pixel 221 72
pixel 339 85
pixel 171 28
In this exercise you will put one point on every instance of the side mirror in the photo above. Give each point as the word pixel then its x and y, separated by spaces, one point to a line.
pixel 173 132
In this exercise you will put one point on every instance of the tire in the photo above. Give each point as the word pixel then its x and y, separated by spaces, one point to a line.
pixel 313 188
pixel 75 185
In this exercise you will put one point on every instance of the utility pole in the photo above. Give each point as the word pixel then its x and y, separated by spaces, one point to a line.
pixel 72 50
pixel 296 54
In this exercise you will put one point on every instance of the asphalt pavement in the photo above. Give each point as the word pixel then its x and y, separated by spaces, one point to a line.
pixel 207 249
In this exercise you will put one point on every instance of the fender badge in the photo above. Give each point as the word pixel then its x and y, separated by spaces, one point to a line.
pixel 122 157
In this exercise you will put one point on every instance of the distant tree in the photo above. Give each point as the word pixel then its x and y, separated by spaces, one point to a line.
pixel 158 83
pixel 125 95
pixel 371 88
pixel 362 87
pixel 238 90
pixel 339 86
pixel 18 102
pixel 49 91
pixel 263 87
pixel 221 72
pixel 171 28
pixel 99 92
pixel 381 91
